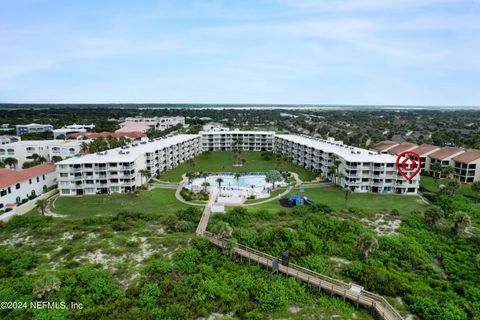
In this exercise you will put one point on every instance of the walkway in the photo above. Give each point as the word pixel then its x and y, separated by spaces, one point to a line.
pixel 352 292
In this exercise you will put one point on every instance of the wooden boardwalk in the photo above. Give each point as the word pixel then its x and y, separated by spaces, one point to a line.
pixel 362 297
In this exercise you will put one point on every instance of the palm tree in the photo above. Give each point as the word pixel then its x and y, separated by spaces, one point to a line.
pixel 452 187
pixel 461 221
pixel 41 205
pixel 219 181
pixel 222 230
pixel 144 173
pixel 447 172
pixel 229 245
pixel 45 286
pixel 206 184
pixel 56 159
pixel 476 187
pixel 436 167
pixel 11 162
pixel 190 175
pixel 433 214
pixel 84 147
pixel 367 243
pixel 237 177
pixel 346 195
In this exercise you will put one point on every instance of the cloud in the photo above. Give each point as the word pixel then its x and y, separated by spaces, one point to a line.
pixel 366 5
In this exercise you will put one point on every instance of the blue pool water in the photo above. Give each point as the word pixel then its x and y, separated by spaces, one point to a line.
pixel 247 181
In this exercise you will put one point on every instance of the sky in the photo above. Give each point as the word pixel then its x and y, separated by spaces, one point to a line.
pixel 360 52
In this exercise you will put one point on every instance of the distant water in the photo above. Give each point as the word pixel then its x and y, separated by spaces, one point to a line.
pixel 142 106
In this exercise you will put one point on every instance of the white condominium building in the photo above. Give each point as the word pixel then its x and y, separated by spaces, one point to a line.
pixel 74 128
pixel 23 150
pixel 33 128
pixel 122 169
pixel 142 124
pixel 359 169
pixel 246 140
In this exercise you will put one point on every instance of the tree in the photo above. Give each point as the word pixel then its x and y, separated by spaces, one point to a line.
pixel 84 147
pixel 219 181
pixel 229 245
pixel 346 195
pixel 45 286
pixel 144 173
pixel 436 167
pixel 2 164
pixel 11 162
pixel 273 176
pixel 367 243
pixel 452 187
pixel 41 205
pixel 56 159
pixel 237 177
pixel 222 230
pixel 433 214
pixel 461 221
pixel 190 175
pixel 476 187
pixel 447 172
pixel 206 184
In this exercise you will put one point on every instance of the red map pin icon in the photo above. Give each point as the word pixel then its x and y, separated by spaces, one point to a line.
pixel 410 165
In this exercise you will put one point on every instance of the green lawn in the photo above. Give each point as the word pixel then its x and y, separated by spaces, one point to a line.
pixel 432 185
pixel 222 161
pixel 154 201
pixel 334 197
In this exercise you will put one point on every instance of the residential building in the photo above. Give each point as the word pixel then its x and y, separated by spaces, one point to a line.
pixel 15 186
pixel 444 156
pixel 23 150
pixel 142 124
pixel 423 151
pixel 245 140
pixel 92 135
pixel 358 169
pixel 63 132
pixel 402 147
pixel 122 169
pixel 214 126
pixel 33 128
pixel 467 166
pixel 9 139
pixel 384 146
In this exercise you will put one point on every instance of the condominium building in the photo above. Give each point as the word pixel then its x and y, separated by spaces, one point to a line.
pixel 467 166
pixel 33 128
pixel 16 186
pixel 443 156
pixel 122 169
pixel 22 151
pixel 358 169
pixel 9 139
pixel 465 162
pixel 142 124
pixel 74 128
pixel 246 140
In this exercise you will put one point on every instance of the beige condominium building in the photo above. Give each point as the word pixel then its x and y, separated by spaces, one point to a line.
pixel 465 162
pixel 467 166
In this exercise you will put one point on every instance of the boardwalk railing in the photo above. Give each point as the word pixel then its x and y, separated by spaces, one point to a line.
pixel 374 301
pixel 334 286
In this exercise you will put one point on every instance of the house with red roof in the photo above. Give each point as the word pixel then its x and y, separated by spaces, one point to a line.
pixel 20 186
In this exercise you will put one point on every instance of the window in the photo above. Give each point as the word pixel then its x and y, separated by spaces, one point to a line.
pixel 3 193
pixel 38 179
pixel 30 181
pixel 17 186
pixel 43 177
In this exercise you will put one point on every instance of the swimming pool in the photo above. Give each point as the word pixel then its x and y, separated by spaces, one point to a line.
pixel 244 181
